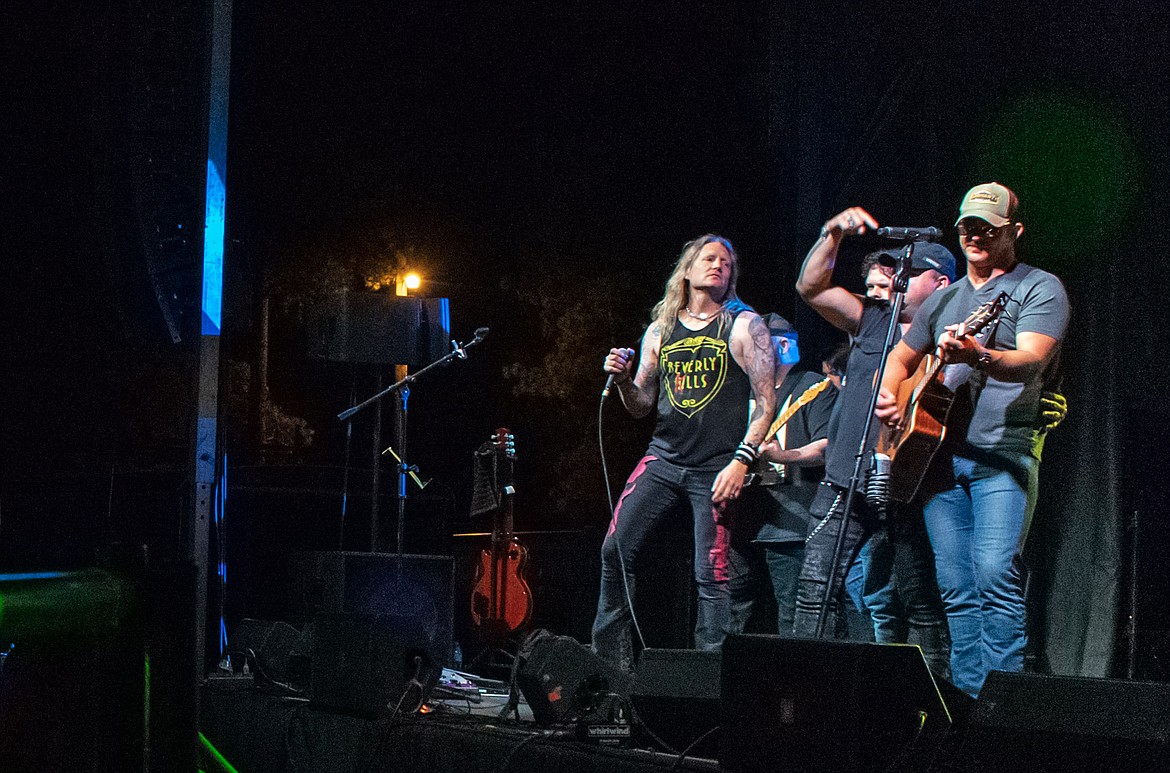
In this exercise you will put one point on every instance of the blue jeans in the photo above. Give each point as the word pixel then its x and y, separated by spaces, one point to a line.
pixel 875 587
pixel 900 587
pixel 654 488
pixel 977 527
pixel 858 622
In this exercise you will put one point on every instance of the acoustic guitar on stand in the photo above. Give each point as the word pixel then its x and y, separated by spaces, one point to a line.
pixel 924 404
pixel 501 601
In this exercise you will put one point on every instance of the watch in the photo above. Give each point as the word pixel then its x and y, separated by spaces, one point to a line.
pixel 984 360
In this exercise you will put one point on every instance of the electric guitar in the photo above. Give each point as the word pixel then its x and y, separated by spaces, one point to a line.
pixel 501 600
pixel 806 397
pixel 925 404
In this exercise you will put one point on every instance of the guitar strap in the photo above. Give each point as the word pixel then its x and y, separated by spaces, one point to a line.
pixel 955 376
pixel 769 473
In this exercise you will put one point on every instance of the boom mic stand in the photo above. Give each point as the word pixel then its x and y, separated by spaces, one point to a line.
pixel 459 352
pixel 898 285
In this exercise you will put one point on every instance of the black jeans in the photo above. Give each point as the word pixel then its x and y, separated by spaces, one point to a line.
pixel 900 550
pixel 827 507
pixel 653 489
pixel 900 553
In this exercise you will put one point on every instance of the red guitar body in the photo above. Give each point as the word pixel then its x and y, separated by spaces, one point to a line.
pixel 501 601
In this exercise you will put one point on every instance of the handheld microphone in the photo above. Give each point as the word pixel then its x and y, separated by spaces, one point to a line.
pixel 928 234
pixel 609 381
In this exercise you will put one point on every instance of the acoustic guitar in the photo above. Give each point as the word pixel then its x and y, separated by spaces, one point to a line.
pixel 501 601
pixel 925 405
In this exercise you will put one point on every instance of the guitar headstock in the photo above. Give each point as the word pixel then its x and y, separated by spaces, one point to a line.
pixel 985 314
pixel 504 443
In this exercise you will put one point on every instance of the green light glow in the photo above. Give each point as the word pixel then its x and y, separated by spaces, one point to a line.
pixel 215 757
pixel 1074 166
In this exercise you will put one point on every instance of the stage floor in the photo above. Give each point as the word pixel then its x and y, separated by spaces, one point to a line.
pixel 258 732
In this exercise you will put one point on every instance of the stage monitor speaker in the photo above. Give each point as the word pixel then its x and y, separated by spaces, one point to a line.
pixel 813 705
pixel 676 697
pixel 412 595
pixel 1034 723
pixel 563 681
pixel 360 665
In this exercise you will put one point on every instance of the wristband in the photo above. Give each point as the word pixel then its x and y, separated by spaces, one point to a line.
pixel 747 453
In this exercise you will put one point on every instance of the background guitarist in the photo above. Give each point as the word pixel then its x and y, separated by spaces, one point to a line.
pixel 982 488
pixel 908 608
pixel 767 539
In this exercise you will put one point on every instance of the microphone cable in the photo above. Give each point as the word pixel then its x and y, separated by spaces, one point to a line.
pixel 613 521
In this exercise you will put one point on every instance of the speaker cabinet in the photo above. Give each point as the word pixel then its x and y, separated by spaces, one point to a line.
pixel 379 328
pixel 360 664
pixel 1035 723
pixel 412 596
pixel 812 705
pixel 676 696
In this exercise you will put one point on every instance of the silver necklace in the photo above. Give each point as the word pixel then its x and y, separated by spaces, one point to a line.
pixel 702 316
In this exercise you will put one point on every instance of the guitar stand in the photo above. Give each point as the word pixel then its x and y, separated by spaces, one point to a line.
pixel 898 286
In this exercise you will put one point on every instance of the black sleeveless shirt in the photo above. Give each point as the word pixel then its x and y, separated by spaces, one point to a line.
pixel 702 398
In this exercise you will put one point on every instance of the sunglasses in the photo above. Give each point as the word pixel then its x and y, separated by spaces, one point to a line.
pixel 982 230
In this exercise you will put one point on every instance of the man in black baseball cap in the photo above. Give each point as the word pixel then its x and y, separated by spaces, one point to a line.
pixel 906 607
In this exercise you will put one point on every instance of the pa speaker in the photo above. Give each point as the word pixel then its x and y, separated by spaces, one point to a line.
pixel 813 705
pixel 413 596
pixel 271 643
pixel 1034 723
pixel 563 681
pixel 379 328
pixel 676 697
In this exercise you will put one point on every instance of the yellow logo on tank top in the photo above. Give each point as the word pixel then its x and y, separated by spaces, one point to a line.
pixel 693 372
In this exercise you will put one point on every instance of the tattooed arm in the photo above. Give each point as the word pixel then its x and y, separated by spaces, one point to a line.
pixel 640 393
pixel 751 346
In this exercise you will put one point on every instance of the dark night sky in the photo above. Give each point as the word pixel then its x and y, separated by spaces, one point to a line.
pixel 527 148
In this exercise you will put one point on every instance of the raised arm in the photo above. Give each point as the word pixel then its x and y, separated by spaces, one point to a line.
pixel 640 392
pixel 838 306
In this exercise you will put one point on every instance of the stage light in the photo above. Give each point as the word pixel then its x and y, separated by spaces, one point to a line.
pixel 412 281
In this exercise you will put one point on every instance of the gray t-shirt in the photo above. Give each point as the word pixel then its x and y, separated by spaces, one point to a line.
pixel 992 415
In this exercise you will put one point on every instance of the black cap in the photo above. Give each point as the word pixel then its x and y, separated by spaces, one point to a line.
pixel 927 256
pixel 777 325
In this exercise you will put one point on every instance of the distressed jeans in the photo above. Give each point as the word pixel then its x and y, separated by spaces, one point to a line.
pixel 827 507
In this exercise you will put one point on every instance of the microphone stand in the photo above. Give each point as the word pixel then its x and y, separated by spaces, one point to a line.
pixel 459 352
pixel 898 285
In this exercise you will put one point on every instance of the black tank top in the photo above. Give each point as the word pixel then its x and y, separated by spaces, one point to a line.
pixel 702 398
